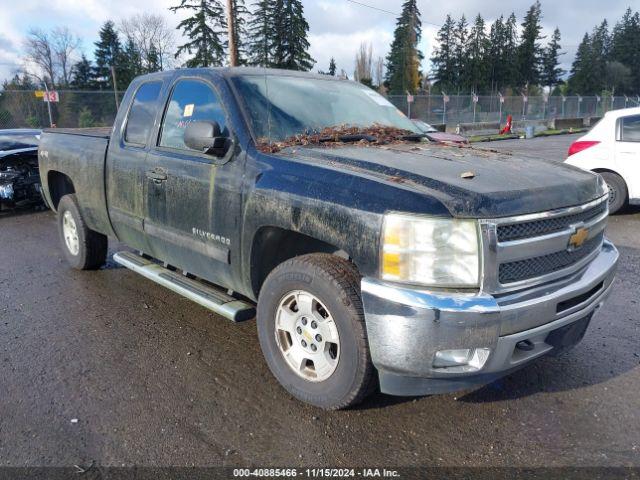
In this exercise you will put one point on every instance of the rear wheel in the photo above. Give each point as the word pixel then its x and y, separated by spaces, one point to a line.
pixel 312 332
pixel 618 196
pixel 83 248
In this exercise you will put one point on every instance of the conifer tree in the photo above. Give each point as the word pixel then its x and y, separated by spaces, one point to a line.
pixel 624 46
pixel 108 52
pixel 261 33
pixel 529 50
pixel 240 15
pixel 582 80
pixel 205 30
pixel 476 56
pixel 290 42
pixel 510 51
pixel 404 59
pixel 332 67
pixel 82 74
pixel 443 59
pixel 461 34
pixel 551 71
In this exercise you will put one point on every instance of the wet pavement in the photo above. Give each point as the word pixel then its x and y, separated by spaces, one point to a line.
pixel 107 367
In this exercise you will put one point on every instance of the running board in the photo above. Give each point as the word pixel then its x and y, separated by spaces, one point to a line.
pixel 212 298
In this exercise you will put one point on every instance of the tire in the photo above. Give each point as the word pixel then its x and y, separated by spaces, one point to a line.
pixel 87 249
pixel 618 194
pixel 335 285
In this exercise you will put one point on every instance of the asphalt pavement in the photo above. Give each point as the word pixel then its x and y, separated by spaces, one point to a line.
pixel 108 368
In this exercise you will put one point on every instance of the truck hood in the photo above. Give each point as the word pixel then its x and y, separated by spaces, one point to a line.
pixel 470 182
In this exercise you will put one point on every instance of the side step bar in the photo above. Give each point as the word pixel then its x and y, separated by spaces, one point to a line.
pixel 214 299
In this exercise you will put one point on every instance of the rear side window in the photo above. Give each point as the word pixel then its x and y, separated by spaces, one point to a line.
pixel 191 101
pixel 142 113
pixel 631 128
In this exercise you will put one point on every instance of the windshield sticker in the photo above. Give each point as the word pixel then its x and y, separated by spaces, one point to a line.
pixel 188 110
pixel 379 99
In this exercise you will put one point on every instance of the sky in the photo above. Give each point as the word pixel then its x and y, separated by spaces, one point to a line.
pixel 337 27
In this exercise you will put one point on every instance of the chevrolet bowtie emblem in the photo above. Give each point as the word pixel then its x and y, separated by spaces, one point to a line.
pixel 577 239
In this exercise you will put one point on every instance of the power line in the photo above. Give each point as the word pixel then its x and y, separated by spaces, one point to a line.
pixel 386 11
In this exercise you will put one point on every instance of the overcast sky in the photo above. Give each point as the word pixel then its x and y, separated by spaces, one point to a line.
pixel 337 26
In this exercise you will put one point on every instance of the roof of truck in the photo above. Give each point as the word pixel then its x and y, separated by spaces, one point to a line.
pixel 239 71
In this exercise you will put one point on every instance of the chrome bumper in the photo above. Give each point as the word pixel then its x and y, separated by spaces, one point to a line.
pixel 406 327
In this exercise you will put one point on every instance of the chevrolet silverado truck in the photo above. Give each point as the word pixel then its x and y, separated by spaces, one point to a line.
pixel 370 257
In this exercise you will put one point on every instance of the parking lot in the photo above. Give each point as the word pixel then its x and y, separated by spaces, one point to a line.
pixel 108 368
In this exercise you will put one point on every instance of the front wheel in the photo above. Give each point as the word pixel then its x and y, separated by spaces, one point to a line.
pixel 312 332
pixel 618 195
pixel 83 248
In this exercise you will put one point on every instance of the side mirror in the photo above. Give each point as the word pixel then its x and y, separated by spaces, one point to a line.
pixel 206 137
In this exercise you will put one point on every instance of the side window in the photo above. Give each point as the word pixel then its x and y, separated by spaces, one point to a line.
pixel 191 101
pixel 631 128
pixel 142 113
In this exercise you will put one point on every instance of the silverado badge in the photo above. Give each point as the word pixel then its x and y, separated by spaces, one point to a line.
pixel 578 238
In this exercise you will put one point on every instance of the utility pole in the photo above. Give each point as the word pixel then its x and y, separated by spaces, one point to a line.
pixel 233 48
pixel 115 85
pixel 46 89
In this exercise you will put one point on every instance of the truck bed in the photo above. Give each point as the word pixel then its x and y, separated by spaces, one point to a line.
pixel 97 132
pixel 78 154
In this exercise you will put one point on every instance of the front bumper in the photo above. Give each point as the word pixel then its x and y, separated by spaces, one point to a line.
pixel 407 326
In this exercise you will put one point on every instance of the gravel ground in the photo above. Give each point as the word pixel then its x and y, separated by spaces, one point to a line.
pixel 107 367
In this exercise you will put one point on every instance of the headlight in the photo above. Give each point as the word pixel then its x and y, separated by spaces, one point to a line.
pixel 437 252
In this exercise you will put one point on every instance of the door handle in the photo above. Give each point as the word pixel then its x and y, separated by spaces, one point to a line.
pixel 158 175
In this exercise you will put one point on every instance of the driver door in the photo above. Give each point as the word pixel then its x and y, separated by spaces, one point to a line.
pixel 192 203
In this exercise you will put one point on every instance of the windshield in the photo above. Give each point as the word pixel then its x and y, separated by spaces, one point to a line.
pixel 281 107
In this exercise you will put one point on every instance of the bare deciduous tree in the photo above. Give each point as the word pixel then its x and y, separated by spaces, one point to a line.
pixel 378 72
pixel 64 45
pixel 364 64
pixel 40 53
pixel 153 38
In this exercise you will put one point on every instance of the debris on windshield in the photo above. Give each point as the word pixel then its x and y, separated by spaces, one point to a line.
pixel 374 135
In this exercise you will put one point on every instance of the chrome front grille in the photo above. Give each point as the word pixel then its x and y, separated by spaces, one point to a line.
pixel 528 250
pixel 534 228
pixel 510 272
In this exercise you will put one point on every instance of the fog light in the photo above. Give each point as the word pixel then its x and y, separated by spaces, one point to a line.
pixel 472 357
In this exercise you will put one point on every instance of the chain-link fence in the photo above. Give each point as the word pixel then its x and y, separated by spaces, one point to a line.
pixel 79 108
pixel 82 108
pixel 459 109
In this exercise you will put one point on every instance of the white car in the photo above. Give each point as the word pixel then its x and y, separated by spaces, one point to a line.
pixel 612 149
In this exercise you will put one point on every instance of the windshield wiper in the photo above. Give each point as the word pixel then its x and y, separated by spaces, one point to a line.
pixel 355 137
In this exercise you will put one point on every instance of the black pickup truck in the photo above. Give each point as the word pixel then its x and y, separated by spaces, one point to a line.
pixel 376 258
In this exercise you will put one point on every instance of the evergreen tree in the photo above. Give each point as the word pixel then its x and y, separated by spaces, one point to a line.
pixel 460 36
pixel 153 61
pixel 551 71
pixel 582 79
pixel 624 47
pixel 130 62
pixel 82 74
pixel 205 30
pixel 108 53
pixel 240 14
pixel 476 52
pixel 261 33
pixel 529 50
pixel 510 52
pixel 443 59
pixel 332 67
pixel 404 59
pixel 495 52
pixel 290 43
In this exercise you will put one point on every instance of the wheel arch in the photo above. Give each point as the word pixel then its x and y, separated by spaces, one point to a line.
pixel 58 185
pixel 271 246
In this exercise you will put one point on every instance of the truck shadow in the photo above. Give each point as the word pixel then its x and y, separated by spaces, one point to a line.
pixel 6 212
